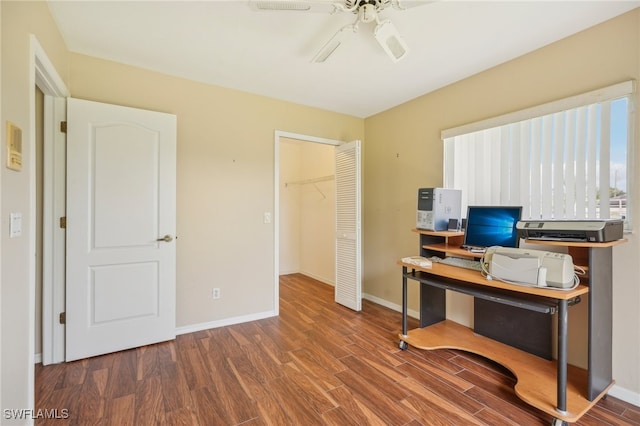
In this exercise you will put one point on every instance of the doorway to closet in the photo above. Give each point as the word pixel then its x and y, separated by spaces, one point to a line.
pixel 318 213
pixel 307 209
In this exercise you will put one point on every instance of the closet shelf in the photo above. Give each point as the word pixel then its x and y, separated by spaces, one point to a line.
pixel 312 180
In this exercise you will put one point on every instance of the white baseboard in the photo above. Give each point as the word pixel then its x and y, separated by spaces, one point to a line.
pixel 625 395
pixel 392 306
pixel 206 326
pixel 262 315
pixel 222 323
pixel 329 281
pixel 319 278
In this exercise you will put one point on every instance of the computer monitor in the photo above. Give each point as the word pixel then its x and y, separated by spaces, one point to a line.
pixel 491 226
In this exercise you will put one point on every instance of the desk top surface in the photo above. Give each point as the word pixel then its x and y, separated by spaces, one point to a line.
pixel 449 234
pixel 475 277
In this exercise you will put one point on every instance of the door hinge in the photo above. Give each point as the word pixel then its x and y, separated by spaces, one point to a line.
pixel 63 126
pixel 63 222
pixel 63 317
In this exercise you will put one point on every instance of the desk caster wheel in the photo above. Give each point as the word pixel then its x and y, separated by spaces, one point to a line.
pixel 403 345
pixel 558 422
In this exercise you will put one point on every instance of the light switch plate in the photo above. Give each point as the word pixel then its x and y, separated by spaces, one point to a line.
pixel 15 225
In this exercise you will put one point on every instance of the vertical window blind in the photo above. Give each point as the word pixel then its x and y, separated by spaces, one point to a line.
pixel 554 160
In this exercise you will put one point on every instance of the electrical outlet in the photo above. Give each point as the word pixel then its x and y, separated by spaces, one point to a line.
pixel 216 293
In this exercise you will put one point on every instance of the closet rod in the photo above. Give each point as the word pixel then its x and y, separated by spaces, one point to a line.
pixel 312 180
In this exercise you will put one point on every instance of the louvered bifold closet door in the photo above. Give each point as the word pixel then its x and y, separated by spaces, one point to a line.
pixel 348 291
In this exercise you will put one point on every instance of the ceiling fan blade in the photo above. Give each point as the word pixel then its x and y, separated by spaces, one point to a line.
pixel 335 42
pixel 391 41
pixel 408 4
pixel 322 6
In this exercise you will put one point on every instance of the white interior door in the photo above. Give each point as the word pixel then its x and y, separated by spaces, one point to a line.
pixel 348 288
pixel 121 173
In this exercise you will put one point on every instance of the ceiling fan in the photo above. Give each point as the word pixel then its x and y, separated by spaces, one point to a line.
pixel 366 11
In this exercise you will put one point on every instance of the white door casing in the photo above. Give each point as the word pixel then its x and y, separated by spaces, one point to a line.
pixel 54 237
pixel 121 176
pixel 348 280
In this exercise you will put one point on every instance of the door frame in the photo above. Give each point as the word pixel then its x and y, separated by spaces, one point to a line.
pixel 44 75
pixel 276 203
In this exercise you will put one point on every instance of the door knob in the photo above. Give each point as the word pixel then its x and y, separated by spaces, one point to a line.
pixel 167 238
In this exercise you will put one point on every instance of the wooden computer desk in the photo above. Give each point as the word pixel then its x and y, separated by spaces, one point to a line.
pixel 561 390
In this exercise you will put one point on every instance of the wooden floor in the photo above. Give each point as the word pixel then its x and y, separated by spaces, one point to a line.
pixel 317 363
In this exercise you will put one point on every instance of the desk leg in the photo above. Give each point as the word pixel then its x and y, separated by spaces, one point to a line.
pixel 405 325
pixel 402 344
pixel 563 317
pixel 600 320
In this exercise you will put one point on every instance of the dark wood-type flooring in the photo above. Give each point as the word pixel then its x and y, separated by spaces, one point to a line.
pixel 317 363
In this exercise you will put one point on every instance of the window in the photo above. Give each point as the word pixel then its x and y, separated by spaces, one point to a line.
pixel 569 159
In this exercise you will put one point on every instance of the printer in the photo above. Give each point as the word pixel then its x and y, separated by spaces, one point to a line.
pixel 591 231
pixel 530 267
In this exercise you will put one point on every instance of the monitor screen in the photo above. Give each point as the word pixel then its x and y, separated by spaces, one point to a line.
pixel 492 226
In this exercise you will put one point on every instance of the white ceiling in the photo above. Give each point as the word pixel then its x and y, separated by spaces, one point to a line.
pixel 226 43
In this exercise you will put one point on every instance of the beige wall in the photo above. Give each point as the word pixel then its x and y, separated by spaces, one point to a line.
pixel 317 221
pixel 225 183
pixel 404 152
pixel 289 213
pixel 225 174
pixel 19 20
pixel 2 217
pixel 225 180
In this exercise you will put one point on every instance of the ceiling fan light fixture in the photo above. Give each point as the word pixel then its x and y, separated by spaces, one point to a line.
pixel 390 40
pixel 367 13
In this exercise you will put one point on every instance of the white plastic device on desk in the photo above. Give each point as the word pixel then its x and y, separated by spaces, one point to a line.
pixel 530 267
